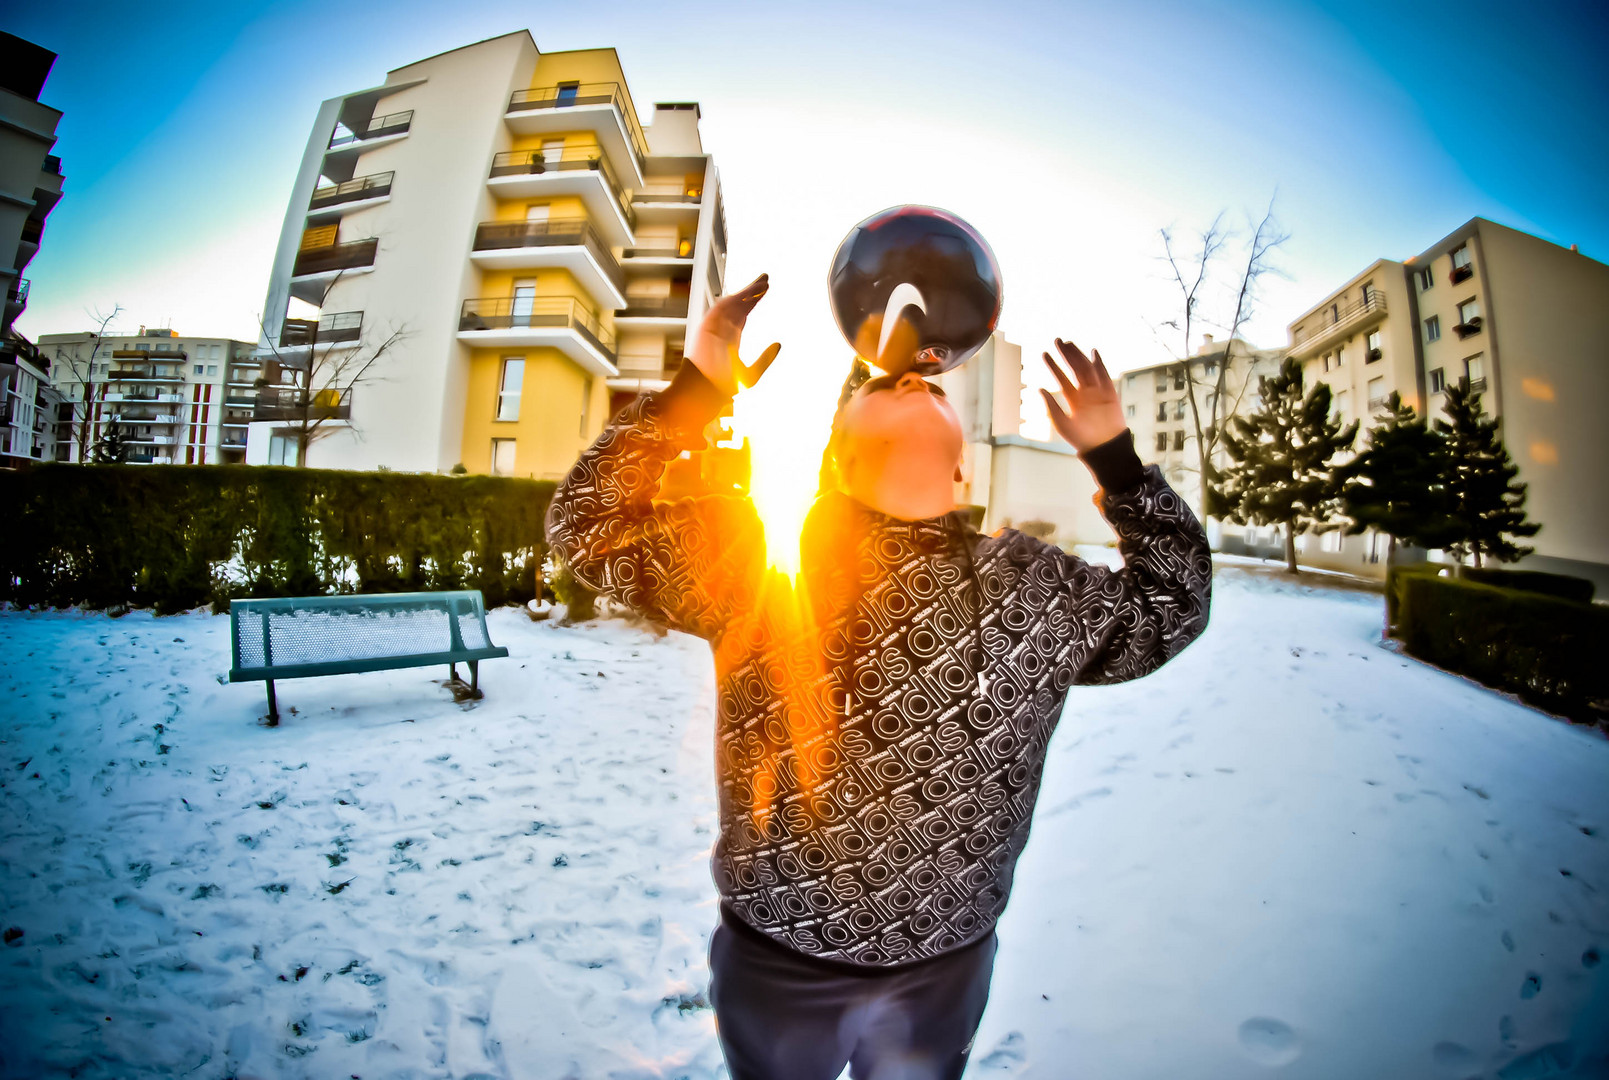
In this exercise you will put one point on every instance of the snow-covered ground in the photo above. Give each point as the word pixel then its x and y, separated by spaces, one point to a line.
pixel 1290 853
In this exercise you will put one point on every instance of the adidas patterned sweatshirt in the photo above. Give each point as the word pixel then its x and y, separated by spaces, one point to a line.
pixel 882 721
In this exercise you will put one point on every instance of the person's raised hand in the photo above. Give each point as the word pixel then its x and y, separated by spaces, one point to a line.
pixel 715 346
pixel 1090 412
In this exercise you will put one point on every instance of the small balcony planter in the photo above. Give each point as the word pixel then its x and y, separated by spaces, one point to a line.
pixel 1461 273
pixel 1464 330
pixel 1372 355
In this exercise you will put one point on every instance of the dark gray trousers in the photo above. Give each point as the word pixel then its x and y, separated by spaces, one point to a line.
pixel 781 1015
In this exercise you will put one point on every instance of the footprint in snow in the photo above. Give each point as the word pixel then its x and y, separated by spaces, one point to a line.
pixel 1269 1042
pixel 1007 1054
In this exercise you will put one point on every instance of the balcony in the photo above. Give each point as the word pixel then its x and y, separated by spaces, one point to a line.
pixel 570 243
pixel 581 171
pixel 16 297
pixel 352 195
pixel 659 254
pixel 166 419
pixel 142 395
pixel 325 330
pixel 143 373
pixel 159 355
pixel 391 126
pixel 663 311
pixel 358 254
pixel 556 321
pixel 602 108
pixel 1347 321
pixel 294 404
pixel 1468 329
pixel 1461 273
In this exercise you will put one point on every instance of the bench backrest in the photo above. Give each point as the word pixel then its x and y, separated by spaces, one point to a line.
pixel 329 634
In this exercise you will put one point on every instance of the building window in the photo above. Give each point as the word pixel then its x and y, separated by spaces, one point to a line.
pixel 1462 268
pixel 1340 403
pixel 1377 393
pixel 212 369
pixel 1367 291
pixel 1178 380
pixel 1335 314
pixel 1326 362
pixel 1128 411
pixel 282 449
pixel 1427 278
pixel 508 390
pixel 1178 439
pixel 1162 410
pixel 198 369
pixel 1469 318
pixel 567 92
pixel 1161 381
pixel 1161 441
pixel 502 457
pixel 1438 380
pixel 1374 352
pixel 1129 380
pixel 1475 369
pixel 1433 329
pixel 1178 411
pixel 1340 359
pixel 1331 541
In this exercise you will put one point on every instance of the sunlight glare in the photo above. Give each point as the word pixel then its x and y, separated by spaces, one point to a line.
pixel 787 419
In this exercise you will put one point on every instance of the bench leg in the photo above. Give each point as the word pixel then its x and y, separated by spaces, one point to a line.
pixel 452 673
pixel 273 706
pixel 474 679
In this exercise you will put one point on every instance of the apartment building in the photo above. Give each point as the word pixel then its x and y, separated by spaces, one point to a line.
pixel 510 251
pixel 1156 402
pixel 1517 315
pixel 179 400
pixel 30 187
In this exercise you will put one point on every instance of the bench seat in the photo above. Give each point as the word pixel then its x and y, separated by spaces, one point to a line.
pixel 302 636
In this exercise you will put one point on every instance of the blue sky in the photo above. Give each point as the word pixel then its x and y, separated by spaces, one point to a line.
pixel 1069 133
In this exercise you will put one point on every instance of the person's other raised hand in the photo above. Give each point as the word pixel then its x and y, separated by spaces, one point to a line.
pixel 1090 411
pixel 715 346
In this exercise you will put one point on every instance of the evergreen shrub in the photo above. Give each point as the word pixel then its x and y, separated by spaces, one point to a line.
pixel 1542 648
pixel 174 537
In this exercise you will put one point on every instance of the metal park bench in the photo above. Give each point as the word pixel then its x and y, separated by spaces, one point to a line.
pixel 300 636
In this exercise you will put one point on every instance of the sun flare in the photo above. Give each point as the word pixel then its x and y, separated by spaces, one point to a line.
pixel 787 419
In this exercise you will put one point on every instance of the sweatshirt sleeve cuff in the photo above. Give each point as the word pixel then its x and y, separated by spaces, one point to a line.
pixel 1115 464
pixel 690 401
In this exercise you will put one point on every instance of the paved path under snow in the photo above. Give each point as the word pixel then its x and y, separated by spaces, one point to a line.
pixel 1290 853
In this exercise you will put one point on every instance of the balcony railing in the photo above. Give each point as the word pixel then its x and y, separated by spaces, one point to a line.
pixel 561 97
pixel 575 159
pixel 296 404
pixel 363 187
pixel 673 197
pixel 160 356
pixel 670 307
pixel 142 373
pixel 335 257
pixel 563 232
pixel 337 326
pixel 379 127
pixel 511 313
pixel 1330 326
pixel 1468 329
pixel 18 293
pixel 684 250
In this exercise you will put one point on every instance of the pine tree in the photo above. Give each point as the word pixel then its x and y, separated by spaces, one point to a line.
pixel 1398 484
pixel 1280 470
pixel 1488 505
pixel 113 446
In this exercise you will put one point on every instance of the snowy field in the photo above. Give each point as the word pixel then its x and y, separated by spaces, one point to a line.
pixel 1291 853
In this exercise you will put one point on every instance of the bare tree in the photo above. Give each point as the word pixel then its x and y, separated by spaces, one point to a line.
pixel 83 411
pixel 321 382
pixel 1192 276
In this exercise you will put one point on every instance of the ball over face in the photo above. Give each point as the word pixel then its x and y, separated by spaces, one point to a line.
pixel 915 288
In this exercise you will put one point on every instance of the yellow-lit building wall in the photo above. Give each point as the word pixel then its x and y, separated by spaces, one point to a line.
pixel 559 208
pixel 561 411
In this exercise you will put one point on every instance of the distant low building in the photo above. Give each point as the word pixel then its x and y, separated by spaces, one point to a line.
pixel 1519 317
pixel 1012 481
pixel 179 400
pixel 1156 402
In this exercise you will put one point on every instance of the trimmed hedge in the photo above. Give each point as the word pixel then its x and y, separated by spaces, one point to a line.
pixel 174 537
pixel 1563 586
pixel 1542 648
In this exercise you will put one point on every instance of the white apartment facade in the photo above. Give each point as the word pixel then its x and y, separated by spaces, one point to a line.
pixel 532 253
